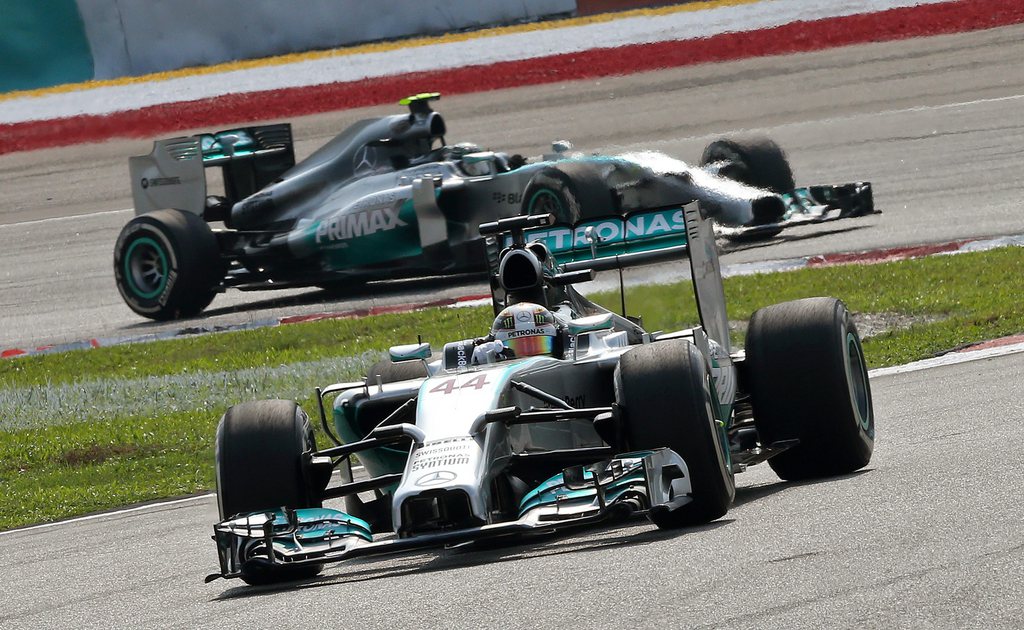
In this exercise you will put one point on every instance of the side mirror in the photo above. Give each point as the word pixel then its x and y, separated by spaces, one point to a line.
pixel 593 323
pixel 410 352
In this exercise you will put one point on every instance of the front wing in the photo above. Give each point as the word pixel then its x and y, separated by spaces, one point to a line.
pixel 811 204
pixel 627 484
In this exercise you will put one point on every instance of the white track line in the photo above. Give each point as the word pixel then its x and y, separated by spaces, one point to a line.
pixel 91 517
pixel 138 508
pixel 951 358
pixel 56 219
pixel 796 124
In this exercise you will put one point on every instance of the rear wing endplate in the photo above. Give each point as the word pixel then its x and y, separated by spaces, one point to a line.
pixel 173 174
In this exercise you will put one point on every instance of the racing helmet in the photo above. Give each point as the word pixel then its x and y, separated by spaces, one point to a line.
pixel 526 330
pixel 461 149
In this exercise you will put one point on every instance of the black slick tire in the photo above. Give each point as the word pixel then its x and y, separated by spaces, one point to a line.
pixel 572 192
pixel 757 162
pixel 808 380
pixel 259 466
pixel 167 264
pixel 664 390
pixel 390 372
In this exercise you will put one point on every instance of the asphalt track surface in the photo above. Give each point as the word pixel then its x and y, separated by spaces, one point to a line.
pixel 935 123
pixel 927 536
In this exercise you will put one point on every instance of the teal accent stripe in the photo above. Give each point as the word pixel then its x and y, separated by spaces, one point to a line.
pixel 42 43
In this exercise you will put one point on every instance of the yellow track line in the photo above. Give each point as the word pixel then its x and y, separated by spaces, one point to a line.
pixel 377 47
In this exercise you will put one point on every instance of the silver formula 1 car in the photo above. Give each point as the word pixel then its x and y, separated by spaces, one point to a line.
pixel 389 198
pixel 564 414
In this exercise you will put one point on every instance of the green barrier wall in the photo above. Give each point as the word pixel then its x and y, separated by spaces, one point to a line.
pixel 42 43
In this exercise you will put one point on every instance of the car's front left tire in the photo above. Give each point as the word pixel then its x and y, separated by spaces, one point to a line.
pixel 808 381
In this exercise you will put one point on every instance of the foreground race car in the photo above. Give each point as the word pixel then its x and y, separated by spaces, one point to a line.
pixel 565 414
pixel 390 198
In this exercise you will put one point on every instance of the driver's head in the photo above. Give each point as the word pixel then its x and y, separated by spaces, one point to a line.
pixel 526 329
pixel 459 150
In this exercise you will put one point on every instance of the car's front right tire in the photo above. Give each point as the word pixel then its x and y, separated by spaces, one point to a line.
pixel 664 390
pixel 757 162
pixel 259 466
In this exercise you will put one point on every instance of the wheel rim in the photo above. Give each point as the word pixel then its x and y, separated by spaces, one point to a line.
pixel 858 382
pixel 145 268
pixel 545 202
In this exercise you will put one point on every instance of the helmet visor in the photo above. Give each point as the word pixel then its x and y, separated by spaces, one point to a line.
pixel 531 346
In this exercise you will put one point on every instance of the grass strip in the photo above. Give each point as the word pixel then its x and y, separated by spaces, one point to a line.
pixel 956 300
pixel 107 427
pixel 978 290
pixel 67 470
pixel 281 345
pixel 97 400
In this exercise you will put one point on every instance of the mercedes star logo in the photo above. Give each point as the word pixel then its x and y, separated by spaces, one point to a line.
pixel 436 478
pixel 364 161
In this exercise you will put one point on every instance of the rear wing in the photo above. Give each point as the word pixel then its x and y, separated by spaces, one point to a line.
pixel 614 235
pixel 650 231
pixel 173 174
pixel 649 236
pixel 618 242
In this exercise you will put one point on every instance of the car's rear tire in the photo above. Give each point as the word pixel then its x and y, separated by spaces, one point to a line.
pixel 167 264
pixel 259 466
pixel 571 191
pixel 808 380
pixel 758 162
pixel 664 390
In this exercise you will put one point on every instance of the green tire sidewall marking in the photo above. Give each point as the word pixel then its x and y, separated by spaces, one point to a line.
pixel 720 417
pixel 130 277
pixel 858 383
pixel 719 422
pixel 545 192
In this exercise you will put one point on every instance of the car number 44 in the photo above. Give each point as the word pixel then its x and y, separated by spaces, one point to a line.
pixel 450 385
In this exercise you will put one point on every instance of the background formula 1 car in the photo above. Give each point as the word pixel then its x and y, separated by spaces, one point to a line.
pixel 493 439
pixel 389 198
